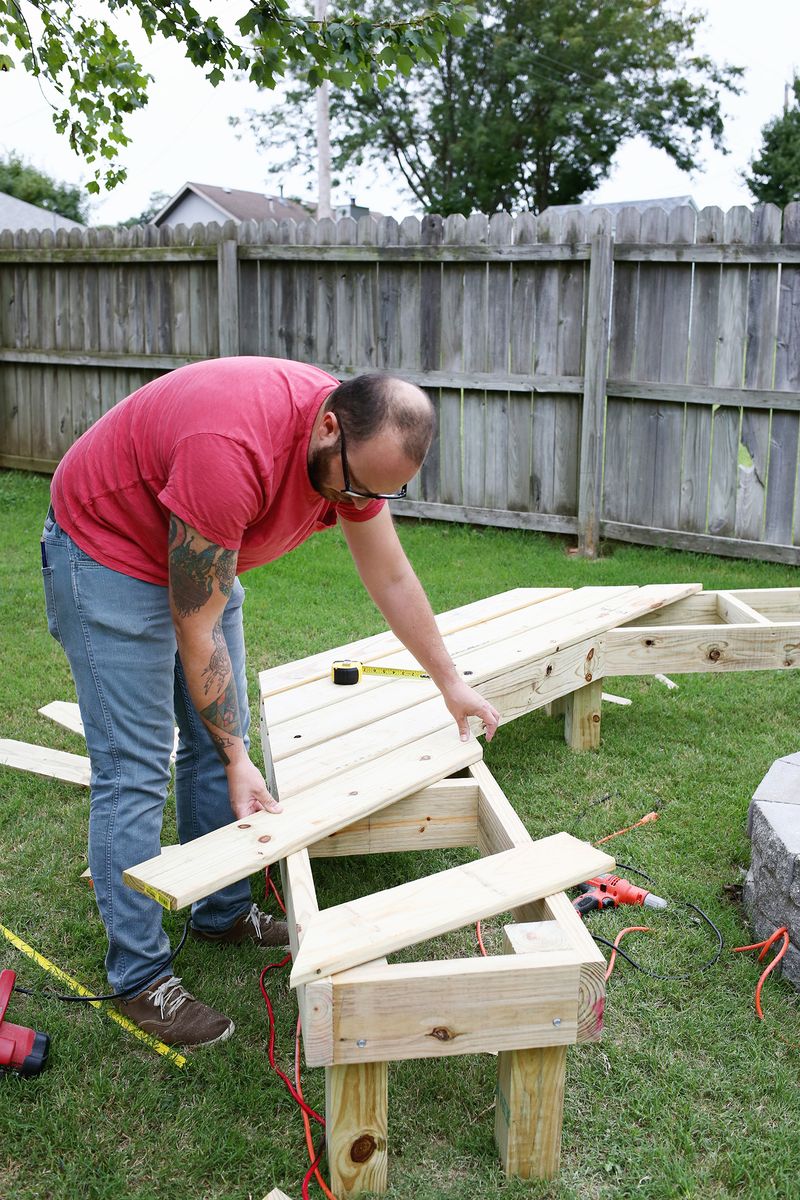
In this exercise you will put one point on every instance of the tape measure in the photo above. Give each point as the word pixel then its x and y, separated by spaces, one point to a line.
pixel 350 670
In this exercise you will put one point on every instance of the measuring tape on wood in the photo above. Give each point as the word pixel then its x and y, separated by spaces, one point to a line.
pixel 350 670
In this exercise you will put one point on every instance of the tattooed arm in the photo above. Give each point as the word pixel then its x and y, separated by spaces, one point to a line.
pixel 201 578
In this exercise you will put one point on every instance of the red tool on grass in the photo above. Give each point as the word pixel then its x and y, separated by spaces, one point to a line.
pixel 21 1050
pixel 609 891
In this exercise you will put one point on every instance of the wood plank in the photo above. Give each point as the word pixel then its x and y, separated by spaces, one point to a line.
pixel 445 814
pixel 39 760
pixel 582 717
pixel 65 714
pixel 779 604
pixel 762 314
pixel 572 279
pixel 529 1111
pixel 783 494
pixel 521 352
pixel 700 370
pixel 452 353
pixel 594 397
pixel 495 517
pixel 714 648
pixel 320 710
pixel 546 306
pixel 370 649
pixel 700 543
pixel 441 1008
pixel 729 372
pixel 236 850
pixel 621 366
pixel 735 612
pixel 349 934
pixel 356 1132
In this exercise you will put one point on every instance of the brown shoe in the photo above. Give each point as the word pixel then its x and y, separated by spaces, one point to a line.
pixel 253 926
pixel 167 1011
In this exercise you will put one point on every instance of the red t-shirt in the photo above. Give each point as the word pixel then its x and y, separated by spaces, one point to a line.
pixel 223 445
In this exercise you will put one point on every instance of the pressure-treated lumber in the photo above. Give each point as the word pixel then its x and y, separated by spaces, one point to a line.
pixel 243 847
pixel 529 1110
pixel 353 933
pixel 55 764
pixel 356 1130
pixel 442 816
pixel 371 649
pixel 64 713
pixel 648 650
pixel 582 717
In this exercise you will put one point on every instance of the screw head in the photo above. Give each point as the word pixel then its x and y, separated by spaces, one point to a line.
pixel 361 1043
pixel 556 1021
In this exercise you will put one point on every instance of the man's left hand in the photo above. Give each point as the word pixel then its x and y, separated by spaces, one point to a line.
pixel 463 702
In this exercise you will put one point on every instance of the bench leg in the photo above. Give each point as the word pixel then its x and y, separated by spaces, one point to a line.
pixel 357 1118
pixel 530 1110
pixel 582 717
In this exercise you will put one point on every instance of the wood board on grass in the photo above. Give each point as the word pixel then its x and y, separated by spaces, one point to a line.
pixel 361 930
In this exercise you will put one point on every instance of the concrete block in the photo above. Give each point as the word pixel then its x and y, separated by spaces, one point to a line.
pixel 781 784
pixel 775 834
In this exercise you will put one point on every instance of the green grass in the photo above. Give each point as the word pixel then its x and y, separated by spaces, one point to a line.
pixel 688 1095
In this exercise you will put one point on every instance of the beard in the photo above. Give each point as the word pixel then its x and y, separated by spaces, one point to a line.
pixel 318 472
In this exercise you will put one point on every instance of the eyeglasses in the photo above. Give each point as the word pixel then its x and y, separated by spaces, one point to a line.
pixel 348 490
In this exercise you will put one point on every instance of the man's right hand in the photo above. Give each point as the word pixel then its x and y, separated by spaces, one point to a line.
pixel 248 791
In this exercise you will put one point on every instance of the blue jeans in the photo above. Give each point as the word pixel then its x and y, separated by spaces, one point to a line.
pixel 118 636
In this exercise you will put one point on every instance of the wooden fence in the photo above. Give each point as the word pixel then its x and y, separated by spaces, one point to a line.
pixel 642 385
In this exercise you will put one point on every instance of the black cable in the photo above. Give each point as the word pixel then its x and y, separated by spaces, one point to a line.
pixel 653 975
pixel 137 987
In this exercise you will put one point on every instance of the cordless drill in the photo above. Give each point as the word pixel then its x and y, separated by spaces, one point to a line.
pixel 608 891
pixel 21 1050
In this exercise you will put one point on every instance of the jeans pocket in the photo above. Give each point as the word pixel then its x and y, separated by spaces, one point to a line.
pixel 50 602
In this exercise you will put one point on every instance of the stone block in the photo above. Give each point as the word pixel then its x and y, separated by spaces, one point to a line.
pixel 775 835
pixel 780 785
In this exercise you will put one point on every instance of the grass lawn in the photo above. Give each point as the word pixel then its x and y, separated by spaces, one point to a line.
pixel 688 1095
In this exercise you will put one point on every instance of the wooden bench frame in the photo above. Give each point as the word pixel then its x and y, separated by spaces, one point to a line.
pixel 544 993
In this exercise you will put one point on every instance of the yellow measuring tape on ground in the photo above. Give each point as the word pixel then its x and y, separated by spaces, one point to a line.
pixel 160 1048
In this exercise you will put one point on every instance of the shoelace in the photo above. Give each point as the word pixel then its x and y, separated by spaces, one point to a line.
pixel 170 995
pixel 255 917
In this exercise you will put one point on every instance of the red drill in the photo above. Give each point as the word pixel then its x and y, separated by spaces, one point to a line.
pixel 21 1050
pixel 608 891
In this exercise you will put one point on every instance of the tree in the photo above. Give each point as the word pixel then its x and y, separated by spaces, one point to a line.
pixel 20 179
pixel 100 82
pixel 157 202
pixel 528 105
pixel 775 173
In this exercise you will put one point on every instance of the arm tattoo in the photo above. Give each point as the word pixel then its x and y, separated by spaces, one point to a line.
pixel 220 745
pixel 189 570
pixel 226 571
pixel 192 568
pixel 219 666
pixel 223 712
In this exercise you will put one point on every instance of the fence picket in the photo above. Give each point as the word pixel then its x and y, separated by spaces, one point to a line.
pixel 783 495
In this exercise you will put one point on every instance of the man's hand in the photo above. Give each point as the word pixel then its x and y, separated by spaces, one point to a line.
pixel 248 791
pixel 463 701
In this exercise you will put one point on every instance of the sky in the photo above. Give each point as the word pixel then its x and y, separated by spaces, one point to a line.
pixel 183 134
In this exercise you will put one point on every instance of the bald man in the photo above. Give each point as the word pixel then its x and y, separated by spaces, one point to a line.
pixel 207 472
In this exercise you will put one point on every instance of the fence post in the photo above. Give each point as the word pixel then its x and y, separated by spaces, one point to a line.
pixel 598 312
pixel 228 291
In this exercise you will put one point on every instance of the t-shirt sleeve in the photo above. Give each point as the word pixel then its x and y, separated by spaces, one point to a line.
pixel 215 486
pixel 349 512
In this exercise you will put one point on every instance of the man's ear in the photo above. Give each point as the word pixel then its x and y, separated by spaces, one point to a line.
pixel 328 430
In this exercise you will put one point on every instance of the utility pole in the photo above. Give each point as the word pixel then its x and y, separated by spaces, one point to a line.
pixel 323 135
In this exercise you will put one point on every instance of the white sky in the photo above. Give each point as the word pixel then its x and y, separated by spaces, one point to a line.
pixel 183 134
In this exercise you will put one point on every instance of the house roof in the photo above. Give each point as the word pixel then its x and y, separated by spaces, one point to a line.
pixel 237 205
pixel 18 214
pixel 668 203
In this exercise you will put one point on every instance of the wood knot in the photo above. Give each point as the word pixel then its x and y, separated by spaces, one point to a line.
pixel 549 669
pixel 715 655
pixel 441 1034
pixel 363 1148
pixel 242 826
pixel 590 655
pixel 649 641
pixel 265 837
pixel 588 677
pixel 596 718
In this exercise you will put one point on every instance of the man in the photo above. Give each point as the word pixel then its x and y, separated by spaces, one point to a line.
pixel 209 471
